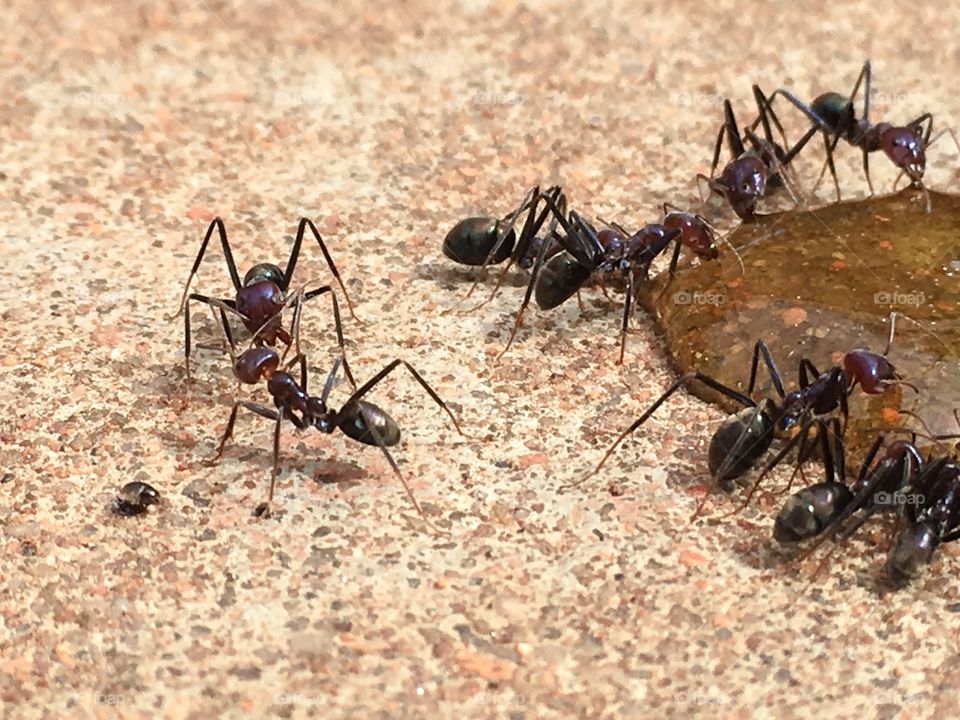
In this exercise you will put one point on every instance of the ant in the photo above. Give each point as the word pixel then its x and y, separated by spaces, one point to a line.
pixel 751 174
pixel 741 440
pixel 613 250
pixel 833 114
pixel 358 419
pixel 261 296
pixel 822 508
pixel 924 491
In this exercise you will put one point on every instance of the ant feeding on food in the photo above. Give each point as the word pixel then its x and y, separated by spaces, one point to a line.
pixel 751 174
pixel 134 498
pixel 923 493
pixel 261 296
pixel 797 417
pixel 358 419
pixel 584 252
pixel 833 114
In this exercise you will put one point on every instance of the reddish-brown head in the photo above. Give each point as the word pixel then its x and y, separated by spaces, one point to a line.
pixel 259 303
pixel 694 234
pixel 872 370
pixel 255 364
pixel 904 147
pixel 745 181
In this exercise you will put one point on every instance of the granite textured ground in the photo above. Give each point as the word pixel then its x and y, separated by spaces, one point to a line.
pixel 127 126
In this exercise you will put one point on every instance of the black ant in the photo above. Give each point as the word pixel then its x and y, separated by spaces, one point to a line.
pixel 358 419
pixel 824 507
pixel 834 115
pixel 261 296
pixel 611 251
pixel 741 440
pixel 751 174
pixel 134 498
pixel 926 492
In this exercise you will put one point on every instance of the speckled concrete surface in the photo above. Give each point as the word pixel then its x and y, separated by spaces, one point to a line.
pixel 126 126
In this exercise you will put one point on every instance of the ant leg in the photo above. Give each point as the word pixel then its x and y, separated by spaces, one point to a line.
pixel 295 255
pixel 717 147
pixel 765 115
pixel 261 410
pixel 367 386
pixel 866 170
pixel 371 425
pixel 829 164
pixel 699 177
pixel 864 76
pixel 807 370
pixel 734 143
pixel 568 245
pixel 221 304
pixel 760 348
pixel 368 421
pixel 527 235
pixel 263 509
pixel 801 438
pixel 682 381
pixel 338 325
pixel 627 305
pixel 231 265
pixel 828 133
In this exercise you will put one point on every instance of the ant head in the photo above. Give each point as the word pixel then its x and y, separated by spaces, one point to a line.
pixel 265 272
pixel 254 364
pixel 745 180
pixel 318 414
pixel 695 233
pixel 904 147
pixel 611 240
pixel 872 370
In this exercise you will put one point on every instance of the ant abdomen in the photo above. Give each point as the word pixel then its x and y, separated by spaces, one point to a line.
pixel 835 109
pixel 470 242
pixel 740 442
pixel 809 512
pixel 355 426
pixel 559 279
pixel 265 272
pixel 913 548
